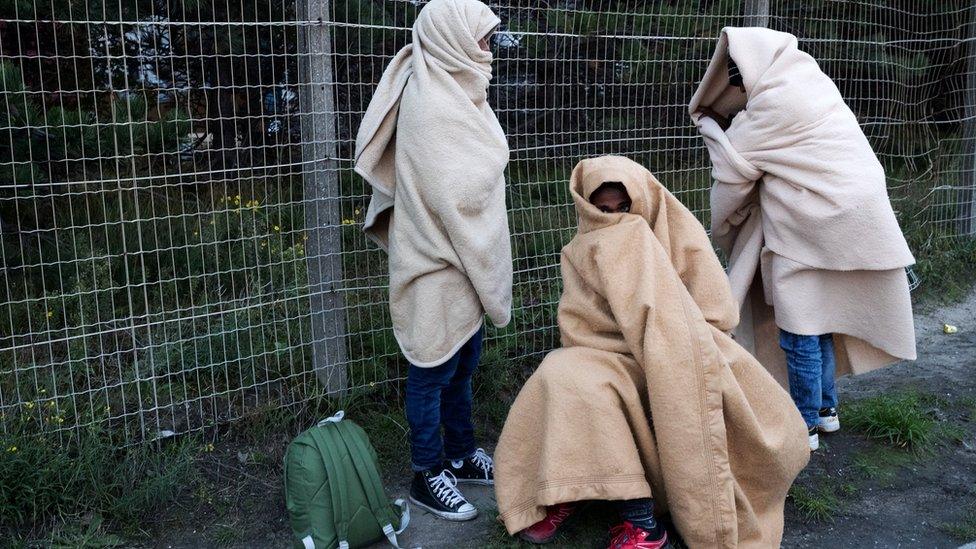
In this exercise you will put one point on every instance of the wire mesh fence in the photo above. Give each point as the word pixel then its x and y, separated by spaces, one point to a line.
pixel 180 224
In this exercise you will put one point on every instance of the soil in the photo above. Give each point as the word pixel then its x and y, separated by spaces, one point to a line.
pixel 912 501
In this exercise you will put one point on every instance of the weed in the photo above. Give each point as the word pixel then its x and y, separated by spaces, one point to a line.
pixel 881 463
pixel 227 534
pixel 965 528
pixel 92 536
pixel 899 419
pixel 44 476
pixel 950 432
pixel 818 505
pixel 849 489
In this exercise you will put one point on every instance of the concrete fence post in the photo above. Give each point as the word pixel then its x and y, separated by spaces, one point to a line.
pixel 320 171
pixel 755 13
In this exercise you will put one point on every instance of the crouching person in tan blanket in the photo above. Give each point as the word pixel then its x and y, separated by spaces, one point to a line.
pixel 649 397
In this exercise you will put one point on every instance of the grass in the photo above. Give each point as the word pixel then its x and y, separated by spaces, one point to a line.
pixel 819 504
pixel 900 419
pixel 945 266
pixel 963 529
pixel 881 463
pixel 56 482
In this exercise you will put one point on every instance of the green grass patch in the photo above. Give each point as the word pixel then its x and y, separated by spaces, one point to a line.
pixel 900 419
pixel 963 529
pixel 46 479
pixel 819 504
pixel 881 463
pixel 849 489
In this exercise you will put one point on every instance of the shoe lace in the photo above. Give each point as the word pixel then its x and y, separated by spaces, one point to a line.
pixel 444 487
pixel 628 536
pixel 482 460
pixel 622 535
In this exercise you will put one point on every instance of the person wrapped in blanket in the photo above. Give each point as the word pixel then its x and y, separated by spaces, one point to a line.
pixel 800 205
pixel 649 403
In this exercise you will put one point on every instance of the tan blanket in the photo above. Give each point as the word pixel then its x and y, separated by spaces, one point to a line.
pixel 649 396
pixel 434 153
pixel 800 204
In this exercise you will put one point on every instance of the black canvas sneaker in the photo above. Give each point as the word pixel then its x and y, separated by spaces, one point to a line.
pixel 438 494
pixel 475 469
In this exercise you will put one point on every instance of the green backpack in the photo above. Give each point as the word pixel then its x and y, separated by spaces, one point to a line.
pixel 333 490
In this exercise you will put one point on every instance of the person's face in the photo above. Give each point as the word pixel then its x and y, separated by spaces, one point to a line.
pixel 485 43
pixel 611 199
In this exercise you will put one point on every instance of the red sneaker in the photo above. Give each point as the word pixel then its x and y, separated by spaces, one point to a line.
pixel 628 536
pixel 557 516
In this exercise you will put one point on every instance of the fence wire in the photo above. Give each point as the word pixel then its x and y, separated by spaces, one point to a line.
pixel 180 226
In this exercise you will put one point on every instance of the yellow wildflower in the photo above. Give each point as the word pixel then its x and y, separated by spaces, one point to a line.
pixel 348 221
pixel 277 228
pixel 29 405
pixel 209 447
pixel 42 390
pixel 59 419
pixel 50 314
pixel 12 449
pixel 357 211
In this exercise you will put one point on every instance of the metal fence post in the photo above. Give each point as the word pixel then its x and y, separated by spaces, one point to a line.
pixel 967 175
pixel 322 207
pixel 755 13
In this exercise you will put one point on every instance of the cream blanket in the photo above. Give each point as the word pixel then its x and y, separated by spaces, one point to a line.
pixel 434 153
pixel 649 396
pixel 800 204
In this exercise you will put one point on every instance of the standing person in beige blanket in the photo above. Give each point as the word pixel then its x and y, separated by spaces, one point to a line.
pixel 649 397
pixel 434 153
pixel 816 258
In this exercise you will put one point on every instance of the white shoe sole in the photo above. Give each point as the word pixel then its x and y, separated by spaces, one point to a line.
pixel 828 424
pixel 814 442
pixel 476 481
pixel 454 517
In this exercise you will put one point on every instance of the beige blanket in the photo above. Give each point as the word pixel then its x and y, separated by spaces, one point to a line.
pixel 434 153
pixel 800 204
pixel 649 396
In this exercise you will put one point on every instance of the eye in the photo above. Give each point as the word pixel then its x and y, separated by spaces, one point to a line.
pixel 605 209
pixel 625 208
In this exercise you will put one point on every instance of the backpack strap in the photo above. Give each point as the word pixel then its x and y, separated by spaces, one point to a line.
pixel 326 440
pixel 373 486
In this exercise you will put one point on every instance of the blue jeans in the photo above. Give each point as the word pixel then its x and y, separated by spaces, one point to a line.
pixel 810 362
pixel 441 396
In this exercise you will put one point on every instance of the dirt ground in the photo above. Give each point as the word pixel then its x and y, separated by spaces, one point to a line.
pixel 880 497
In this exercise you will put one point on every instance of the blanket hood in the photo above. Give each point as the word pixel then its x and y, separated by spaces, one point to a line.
pixel 754 50
pixel 643 188
pixel 445 42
